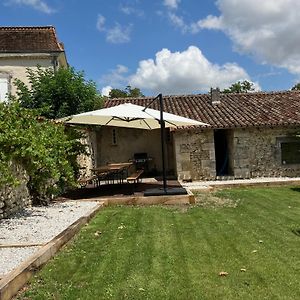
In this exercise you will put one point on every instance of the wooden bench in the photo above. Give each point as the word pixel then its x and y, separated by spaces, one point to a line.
pixel 83 182
pixel 134 177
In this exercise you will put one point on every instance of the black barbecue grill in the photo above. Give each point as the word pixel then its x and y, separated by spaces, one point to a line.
pixel 141 161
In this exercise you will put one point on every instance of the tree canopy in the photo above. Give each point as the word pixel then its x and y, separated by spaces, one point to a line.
pixel 240 87
pixel 128 92
pixel 296 87
pixel 58 93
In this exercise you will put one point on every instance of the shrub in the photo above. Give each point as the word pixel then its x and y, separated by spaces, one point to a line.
pixel 46 149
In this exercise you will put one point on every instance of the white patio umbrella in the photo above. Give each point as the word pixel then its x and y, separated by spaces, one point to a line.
pixel 134 116
pixel 130 116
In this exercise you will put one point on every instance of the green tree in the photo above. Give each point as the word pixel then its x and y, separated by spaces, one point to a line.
pixel 117 93
pixel 296 87
pixel 240 87
pixel 58 93
pixel 128 92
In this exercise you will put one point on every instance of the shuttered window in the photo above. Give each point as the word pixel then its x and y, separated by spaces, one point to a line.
pixel 3 88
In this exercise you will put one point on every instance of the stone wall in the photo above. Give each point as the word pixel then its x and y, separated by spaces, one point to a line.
pixel 88 161
pixel 254 152
pixel 257 153
pixel 195 154
pixel 14 198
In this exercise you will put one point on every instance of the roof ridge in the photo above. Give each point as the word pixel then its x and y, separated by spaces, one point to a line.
pixel 207 94
pixel 26 27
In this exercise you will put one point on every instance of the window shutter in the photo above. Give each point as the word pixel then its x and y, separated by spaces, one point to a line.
pixel 3 89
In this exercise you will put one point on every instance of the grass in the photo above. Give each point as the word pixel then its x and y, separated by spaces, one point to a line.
pixel 177 253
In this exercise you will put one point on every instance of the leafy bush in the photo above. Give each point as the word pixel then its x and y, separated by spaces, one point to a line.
pixel 46 149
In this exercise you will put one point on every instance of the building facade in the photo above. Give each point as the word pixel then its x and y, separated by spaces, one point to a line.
pixel 27 47
pixel 250 135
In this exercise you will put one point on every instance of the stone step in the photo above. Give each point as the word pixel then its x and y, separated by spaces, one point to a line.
pixel 223 178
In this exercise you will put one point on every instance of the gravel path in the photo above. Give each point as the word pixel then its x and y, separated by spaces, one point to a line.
pixel 36 225
pixel 10 258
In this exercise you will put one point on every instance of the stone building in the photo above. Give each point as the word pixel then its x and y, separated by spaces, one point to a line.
pixel 250 135
pixel 27 47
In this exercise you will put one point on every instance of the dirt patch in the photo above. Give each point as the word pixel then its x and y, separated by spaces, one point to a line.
pixel 211 200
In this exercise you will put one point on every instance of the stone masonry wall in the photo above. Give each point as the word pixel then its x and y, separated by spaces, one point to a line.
pixel 88 161
pixel 195 154
pixel 14 198
pixel 257 153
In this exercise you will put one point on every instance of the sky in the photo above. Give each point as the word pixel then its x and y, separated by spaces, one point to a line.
pixel 172 46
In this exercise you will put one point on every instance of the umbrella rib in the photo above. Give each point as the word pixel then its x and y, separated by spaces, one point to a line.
pixel 171 123
pixel 109 121
pixel 126 119
pixel 146 124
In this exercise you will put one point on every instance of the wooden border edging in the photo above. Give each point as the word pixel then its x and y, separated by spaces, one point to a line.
pixel 16 279
pixel 189 198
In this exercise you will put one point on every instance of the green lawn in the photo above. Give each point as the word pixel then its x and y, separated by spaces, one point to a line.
pixel 178 253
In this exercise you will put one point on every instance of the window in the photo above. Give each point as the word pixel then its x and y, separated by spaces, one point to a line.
pixel 290 152
pixel 114 137
pixel 4 81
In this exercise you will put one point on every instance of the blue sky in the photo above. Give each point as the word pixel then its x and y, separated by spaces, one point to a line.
pixel 172 46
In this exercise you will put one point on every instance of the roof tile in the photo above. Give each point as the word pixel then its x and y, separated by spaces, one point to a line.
pixel 29 40
pixel 234 110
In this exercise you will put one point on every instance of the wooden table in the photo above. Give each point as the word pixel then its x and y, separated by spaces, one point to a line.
pixel 109 171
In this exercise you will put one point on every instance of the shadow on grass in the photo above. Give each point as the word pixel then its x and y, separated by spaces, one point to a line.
pixel 296 189
pixel 296 231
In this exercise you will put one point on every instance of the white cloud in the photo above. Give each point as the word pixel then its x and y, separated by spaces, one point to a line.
pixel 210 22
pixel 178 22
pixel 172 4
pixel 265 29
pixel 117 34
pixel 101 23
pixel 36 4
pixel 184 72
pixel 106 90
pixel 116 77
pixel 130 10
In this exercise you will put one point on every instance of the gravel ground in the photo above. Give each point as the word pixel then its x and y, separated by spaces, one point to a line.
pixel 10 258
pixel 36 225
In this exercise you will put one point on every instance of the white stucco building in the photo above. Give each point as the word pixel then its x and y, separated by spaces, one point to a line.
pixel 27 47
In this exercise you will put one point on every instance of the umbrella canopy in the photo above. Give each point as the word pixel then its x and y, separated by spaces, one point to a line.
pixel 131 116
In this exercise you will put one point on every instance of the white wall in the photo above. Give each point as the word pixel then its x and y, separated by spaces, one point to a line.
pixel 16 68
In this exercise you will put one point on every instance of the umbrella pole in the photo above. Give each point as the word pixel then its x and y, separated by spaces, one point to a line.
pixel 162 136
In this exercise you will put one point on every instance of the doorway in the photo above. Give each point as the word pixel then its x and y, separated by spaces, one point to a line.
pixel 223 139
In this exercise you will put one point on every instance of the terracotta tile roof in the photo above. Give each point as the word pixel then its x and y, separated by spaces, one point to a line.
pixel 29 40
pixel 234 110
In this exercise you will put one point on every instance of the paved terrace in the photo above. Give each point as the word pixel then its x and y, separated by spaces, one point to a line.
pixel 202 185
